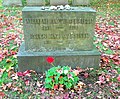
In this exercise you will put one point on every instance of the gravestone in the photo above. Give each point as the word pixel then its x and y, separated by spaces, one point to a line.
pixel 58 30
pixel 12 3
pixel 58 2
pixel 81 2
pixel 66 35
pixel 35 2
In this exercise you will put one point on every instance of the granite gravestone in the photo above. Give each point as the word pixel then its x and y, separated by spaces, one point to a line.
pixel 35 2
pixel 58 2
pixel 81 2
pixel 67 35
pixel 58 30
pixel 12 3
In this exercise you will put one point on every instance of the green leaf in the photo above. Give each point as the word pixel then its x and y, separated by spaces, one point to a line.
pixel 109 52
pixel 68 85
pixel 5 75
pixel 57 77
pixel 76 79
pixel 48 80
pixel 4 78
pixel 118 70
pixel 61 81
pixel 65 79
pixel 71 80
pixel 114 80
pixel 56 82
pixel 1 81
pixel 48 86
pixel 9 65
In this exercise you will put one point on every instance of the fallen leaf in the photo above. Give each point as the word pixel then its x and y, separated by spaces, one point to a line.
pixel 66 96
pixel 55 87
pixel 27 82
pixel 2 94
pixel 102 79
pixel 118 78
pixel 42 90
pixel 76 72
pixel 86 75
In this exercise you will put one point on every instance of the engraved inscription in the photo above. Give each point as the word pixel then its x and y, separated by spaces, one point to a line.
pixel 45 28
pixel 58 21
pixel 58 36
pixel 73 27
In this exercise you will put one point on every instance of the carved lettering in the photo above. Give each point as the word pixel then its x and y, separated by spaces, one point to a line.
pixel 73 27
pixel 59 36
pixel 45 28
pixel 58 21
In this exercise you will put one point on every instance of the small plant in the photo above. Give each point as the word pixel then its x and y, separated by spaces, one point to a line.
pixel 60 76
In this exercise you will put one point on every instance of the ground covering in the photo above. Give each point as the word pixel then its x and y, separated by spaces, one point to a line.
pixel 103 83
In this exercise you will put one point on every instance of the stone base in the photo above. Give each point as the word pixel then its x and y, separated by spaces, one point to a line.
pixel 37 60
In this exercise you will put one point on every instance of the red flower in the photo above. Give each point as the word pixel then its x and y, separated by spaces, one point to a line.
pixel 50 59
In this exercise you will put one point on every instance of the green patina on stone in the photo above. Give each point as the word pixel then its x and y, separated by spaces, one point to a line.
pixel 59 30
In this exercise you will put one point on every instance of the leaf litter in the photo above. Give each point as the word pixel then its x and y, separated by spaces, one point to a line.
pixel 103 83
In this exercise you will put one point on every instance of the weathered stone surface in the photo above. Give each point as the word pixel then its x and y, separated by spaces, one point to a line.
pixel 58 2
pixel 37 60
pixel 35 2
pixel 81 2
pixel 12 3
pixel 66 30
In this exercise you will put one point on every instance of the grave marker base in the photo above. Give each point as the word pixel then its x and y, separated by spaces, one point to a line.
pixel 37 60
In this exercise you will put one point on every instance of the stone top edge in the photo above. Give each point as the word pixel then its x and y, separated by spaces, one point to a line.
pixel 74 9
pixel 61 53
pixel 22 52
